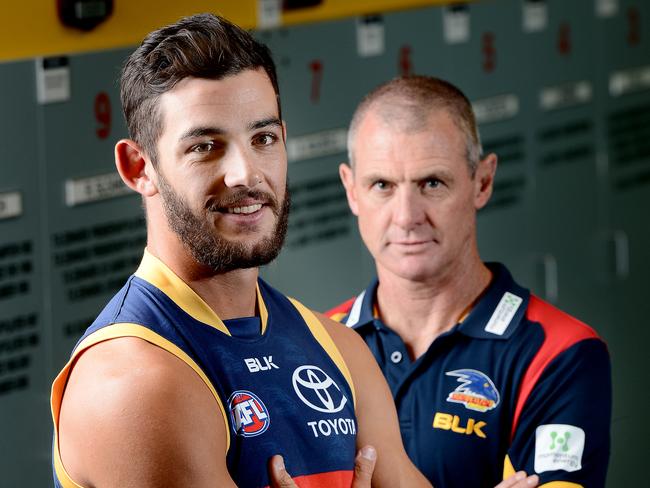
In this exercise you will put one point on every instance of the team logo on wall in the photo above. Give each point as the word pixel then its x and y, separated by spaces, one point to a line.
pixel 248 414
pixel 317 390
pixel 476 390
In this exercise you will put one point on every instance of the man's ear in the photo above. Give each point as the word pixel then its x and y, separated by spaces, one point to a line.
pixel 484 180
pixel 284 132
pixel 347 178
pixel 135 168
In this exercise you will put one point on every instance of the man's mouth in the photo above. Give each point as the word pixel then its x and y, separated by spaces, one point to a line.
pixel 248 209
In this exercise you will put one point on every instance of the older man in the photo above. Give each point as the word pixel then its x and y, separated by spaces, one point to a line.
pixel 487 378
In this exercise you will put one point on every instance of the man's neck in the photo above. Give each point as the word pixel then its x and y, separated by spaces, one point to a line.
pixel 421 311
pixel 230 295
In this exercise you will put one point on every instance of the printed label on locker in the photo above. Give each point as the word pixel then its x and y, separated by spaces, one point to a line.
pixel 455 24
pixel 497 108
pixel 269 13
pixel 317 144
pixel 95 188
pixel 566 95
pixel 535 15
pixel 370 36
pixel 52 80
pixel 629 81
pixel 11 205
pixel 606 8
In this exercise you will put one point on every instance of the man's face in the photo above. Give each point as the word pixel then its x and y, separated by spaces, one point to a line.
pixel 222 169
pixel 414 196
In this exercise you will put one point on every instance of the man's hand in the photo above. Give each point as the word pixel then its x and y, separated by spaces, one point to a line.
pixel 519 480
pixel 364 465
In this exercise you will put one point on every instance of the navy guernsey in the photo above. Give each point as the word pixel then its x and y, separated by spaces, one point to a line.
pixel 284 391
pixel 517 384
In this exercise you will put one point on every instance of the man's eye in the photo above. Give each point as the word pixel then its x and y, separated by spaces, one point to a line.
pixel 381 185
pixel 265 139
pixel 432 183
pixel 203 147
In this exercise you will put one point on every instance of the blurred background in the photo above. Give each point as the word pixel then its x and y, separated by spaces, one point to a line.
pixel 562 95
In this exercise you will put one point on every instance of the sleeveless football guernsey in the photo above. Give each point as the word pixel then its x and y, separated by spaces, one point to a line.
pixel 279 380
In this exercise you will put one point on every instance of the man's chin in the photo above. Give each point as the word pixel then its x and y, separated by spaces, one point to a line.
pixel 230 255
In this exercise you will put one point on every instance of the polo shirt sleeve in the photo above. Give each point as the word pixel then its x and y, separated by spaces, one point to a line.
pixel 561 429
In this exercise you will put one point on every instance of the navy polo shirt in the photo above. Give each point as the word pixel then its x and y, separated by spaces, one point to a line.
pixel 518 384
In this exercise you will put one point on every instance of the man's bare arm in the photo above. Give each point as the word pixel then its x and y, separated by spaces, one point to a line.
pixel 377 423
pixel 134 415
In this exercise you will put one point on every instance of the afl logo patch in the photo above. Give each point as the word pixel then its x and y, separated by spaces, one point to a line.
pixel 317 390
pixel 476 390
pixel 248 415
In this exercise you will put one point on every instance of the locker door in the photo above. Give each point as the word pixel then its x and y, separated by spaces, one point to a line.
pixel 95 231
pixel 24 379
pixel 624 148
pixel 318 95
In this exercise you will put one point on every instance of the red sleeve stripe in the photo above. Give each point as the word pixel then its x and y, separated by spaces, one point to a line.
pixel 343 308
pixel 561 331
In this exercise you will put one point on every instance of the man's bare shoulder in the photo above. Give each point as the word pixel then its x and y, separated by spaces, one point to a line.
pixel 374 407
pixel 130 411
pixel 352 347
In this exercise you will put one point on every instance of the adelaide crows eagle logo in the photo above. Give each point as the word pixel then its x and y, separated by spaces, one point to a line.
pixel 476 391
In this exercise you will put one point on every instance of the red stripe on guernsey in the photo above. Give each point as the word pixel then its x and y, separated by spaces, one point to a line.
pixel 344 308
pixel 333 479
pixel 561 331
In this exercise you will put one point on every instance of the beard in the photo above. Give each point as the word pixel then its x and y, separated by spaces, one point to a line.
pixel 214 251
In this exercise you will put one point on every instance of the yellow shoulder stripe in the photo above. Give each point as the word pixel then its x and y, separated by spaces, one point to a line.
pixel 154 271
pixel 113 332
pixel 320 334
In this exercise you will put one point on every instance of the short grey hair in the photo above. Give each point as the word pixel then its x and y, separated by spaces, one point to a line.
pixel 410 100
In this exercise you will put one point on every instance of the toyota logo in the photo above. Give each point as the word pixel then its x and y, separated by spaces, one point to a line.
pixel 317 390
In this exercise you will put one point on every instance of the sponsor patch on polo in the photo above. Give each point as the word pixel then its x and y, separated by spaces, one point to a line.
pixel 504 313
pixel 558 447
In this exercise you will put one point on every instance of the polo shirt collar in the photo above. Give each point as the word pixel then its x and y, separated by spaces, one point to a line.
pixel 497 314
pixel 363 308
pixel 500 310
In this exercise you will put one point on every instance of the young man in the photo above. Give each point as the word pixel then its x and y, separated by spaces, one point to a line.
pixel 486 377
pixel 197 372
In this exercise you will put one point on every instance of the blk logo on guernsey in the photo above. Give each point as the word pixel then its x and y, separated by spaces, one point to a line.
pixel 248 414
pixel 255 365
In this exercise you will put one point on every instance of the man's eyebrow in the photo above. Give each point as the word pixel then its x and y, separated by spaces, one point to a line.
pixel 372 177
pixel 270 121
pixel 201 132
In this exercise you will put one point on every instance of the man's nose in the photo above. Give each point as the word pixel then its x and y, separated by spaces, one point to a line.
pixel 409 211
pixel 240 169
